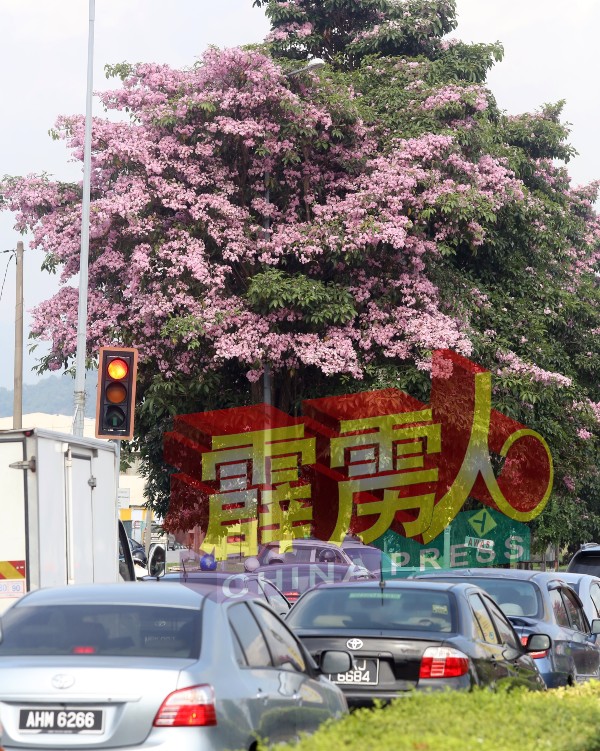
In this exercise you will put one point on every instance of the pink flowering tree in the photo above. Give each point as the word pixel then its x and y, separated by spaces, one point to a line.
pixel 333 227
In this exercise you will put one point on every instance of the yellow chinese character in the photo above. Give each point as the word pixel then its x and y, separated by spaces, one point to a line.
pixel 393 443
pixel 241 521
pixel 477 461
pixel 280 521
pixel 273 452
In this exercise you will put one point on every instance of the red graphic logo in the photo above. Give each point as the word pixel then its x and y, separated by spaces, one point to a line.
pixel 361 462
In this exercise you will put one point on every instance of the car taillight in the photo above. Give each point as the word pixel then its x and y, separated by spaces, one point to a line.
pixel 443 662
pixel 535 655
pixel 291 596
pixel 193 706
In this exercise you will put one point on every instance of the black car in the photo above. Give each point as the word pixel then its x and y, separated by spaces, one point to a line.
pixel 293 579
pixel 230 586
pixel 541 602
pixel 407 635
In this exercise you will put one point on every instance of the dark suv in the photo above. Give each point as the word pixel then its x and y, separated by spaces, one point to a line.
pixel 586 560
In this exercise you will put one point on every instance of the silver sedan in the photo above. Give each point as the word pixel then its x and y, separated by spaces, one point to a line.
pixel 130 666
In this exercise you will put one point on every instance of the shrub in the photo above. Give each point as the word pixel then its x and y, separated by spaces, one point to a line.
pixel 558 720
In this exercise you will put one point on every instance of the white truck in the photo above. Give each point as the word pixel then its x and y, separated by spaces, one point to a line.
pixel 58 513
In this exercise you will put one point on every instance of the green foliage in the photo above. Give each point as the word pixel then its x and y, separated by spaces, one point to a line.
pixel 320 303
pixel 118 70
pixel 558 720
pixel 343 32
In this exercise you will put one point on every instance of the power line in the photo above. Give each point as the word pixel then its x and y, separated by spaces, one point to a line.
pixel 14 255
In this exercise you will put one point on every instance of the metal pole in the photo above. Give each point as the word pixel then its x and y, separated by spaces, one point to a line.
pixel 18 378
pixel 267 398
pixel 85 238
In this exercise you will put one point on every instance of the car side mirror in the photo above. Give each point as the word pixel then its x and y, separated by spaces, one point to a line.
pixel 596 626
pixel 538 643
pixel 157 561
pixel 335 661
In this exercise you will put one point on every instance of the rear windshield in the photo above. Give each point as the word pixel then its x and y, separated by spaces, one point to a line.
pixel 391 610
pixel 128 631
pixel 585 564
pixel 514 597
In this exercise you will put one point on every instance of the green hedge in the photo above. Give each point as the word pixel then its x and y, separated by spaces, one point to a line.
pixel 559 720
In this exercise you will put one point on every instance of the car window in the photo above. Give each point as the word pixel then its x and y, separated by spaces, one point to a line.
pixel 286 651
pixel 250 636
pixel 515 597
pixel 483 620
pixel 585 564
pixel 503 627
pixel 107 629
pixel 328 555
pixel 388 609
pixel 595 596
pixel 238 652
pixel 302 554
pixel 559 609
pixel 274 596
pixel 575 612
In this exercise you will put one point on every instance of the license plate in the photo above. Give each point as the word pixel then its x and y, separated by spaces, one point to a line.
pixel 364 673
pixel 36 720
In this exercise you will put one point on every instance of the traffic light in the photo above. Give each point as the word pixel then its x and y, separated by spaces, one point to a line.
pixel 115 405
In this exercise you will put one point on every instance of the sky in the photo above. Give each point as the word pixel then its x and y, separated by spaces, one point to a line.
pixel 550 54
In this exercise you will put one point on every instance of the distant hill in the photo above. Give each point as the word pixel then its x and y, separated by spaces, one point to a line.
pixel 53 394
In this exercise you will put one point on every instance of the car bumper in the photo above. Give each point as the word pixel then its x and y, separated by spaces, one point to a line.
pixel 366 698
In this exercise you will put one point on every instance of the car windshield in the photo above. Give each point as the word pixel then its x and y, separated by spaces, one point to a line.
pixel 369 558
pixel 107 629
pixel 384 610
pixel 585 564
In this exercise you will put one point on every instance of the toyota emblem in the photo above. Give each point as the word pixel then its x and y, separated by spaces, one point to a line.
pixel 62 681
pixel 354 644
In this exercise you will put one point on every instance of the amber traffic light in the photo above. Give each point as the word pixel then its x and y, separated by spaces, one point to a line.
pixel 115 406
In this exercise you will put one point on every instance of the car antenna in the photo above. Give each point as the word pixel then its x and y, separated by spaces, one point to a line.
pixel 381 579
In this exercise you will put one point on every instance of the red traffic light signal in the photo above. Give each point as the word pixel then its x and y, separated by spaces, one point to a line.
pixel 115 405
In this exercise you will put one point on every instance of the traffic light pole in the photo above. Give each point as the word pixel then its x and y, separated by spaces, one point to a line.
pixel 85 239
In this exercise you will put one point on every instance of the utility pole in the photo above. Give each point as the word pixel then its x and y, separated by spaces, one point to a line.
pixel 18 379
pixel 85 238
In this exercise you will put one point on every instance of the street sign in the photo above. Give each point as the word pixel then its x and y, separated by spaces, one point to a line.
pixel 479 543
pixel 511 544
pixel 124 497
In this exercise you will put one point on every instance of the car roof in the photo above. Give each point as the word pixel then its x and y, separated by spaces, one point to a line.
pixel 494 573
pixel 301 567
pixel 132 593
pixel 304 541
pixel 430 584
pixel 575 576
